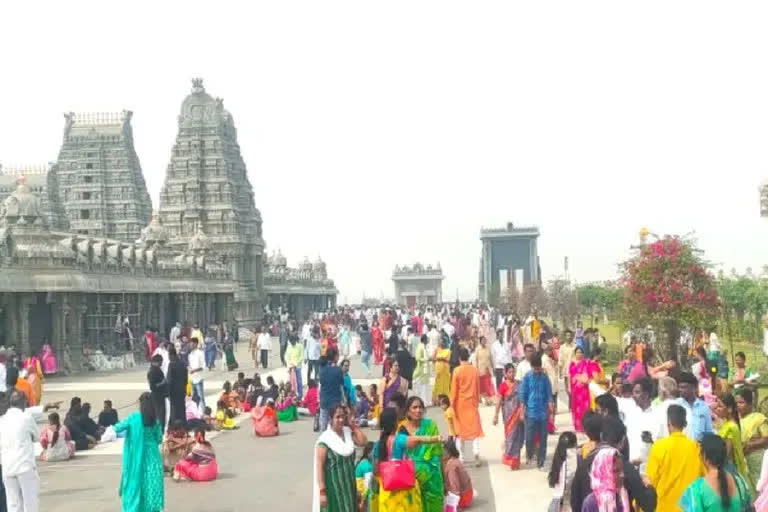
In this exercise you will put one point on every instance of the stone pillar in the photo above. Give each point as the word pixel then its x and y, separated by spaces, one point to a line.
pixel 24 308
pixel 162 308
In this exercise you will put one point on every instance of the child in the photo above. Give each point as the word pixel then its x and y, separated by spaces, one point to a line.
pixel 209 420
pixel 55 440
pixel 363 475
pixel 176 445
pixel 592 426
pixel 458 486
pixel 311 402
pixel 241 387
pixel 362 407
pixel 375 405
pixel 107 417
pixel 559 472
pixel 224 417
pixel 231 399
pixel 286 408
pixel 445 405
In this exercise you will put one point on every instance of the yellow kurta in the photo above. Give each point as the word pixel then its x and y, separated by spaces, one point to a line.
pixel 442 375
pixel 673 464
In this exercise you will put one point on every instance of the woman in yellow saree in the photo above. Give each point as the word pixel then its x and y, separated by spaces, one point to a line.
pixel 730 431
pixel 754 434
pixel 442 372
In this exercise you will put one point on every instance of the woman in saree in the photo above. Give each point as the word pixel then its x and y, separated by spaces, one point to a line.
pixel 393 383
pixel 335 487
pixel 442 371
pixel 426 457
pixel 200 463
pixel 48 360
pixel 580 373
pixel 141 485
pixel 728 415
pixel 395 444
pixel 377 340
pixel 508 401
pixel 34 377
pixel 754 434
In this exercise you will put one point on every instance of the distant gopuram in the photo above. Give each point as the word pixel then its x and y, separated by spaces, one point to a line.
pixel 506 253
pixel 418 284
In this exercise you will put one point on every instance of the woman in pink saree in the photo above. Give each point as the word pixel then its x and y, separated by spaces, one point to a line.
pixel 48 360
pixel 580 373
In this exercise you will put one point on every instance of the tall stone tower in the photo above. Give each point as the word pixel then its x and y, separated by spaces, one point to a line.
pixel 99 177
pixel 207 191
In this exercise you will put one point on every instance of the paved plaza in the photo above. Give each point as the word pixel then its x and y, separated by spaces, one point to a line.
pixel 255 474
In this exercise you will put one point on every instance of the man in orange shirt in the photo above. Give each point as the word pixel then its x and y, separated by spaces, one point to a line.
pixel 465 398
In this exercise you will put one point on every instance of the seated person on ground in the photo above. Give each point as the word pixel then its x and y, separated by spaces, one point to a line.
pixel 108 417
pixel 224 417
pixel 55 440
pixel 264 419
pixel 176 444
pixel 199 465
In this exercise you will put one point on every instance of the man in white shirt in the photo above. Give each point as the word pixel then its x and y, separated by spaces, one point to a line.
pixel 641 424
pixel 524 366
pixel 264 343
pixel 196 360
pixel 434 339
pixel 175 333
pixel 550 367
pixel 162 351
pixel 18 435
pixel 501 355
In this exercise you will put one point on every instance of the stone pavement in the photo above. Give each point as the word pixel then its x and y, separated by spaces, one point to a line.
pixel 255 474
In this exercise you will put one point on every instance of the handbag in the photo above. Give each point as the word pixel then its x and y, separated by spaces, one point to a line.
pixel 397 475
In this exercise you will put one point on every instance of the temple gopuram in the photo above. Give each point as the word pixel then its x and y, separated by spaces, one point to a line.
pixel 82 254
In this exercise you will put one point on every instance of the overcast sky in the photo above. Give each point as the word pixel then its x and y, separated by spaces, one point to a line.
pixel 378 133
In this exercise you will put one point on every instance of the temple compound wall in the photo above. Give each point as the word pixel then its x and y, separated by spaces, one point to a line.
pixel 83 259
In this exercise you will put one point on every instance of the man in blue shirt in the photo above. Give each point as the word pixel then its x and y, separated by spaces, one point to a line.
pixel 536 397
pixel 697 412
pixel 331 387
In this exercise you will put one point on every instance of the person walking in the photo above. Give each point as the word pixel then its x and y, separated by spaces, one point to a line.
pixel 465 399
pixel 264 343
pixel 209 346
pixel 158 388
pixel 366 348
pixel 141 484
pixel 196 368
pixel 536 397
pixel 177 386
pixel 294 358
pixel 283 339
pixel 501 355
pixel 314 348
pixel 331 387
pixel 421 375
pixel 18 435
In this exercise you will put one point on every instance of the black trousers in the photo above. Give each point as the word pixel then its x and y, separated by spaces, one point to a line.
pixel 282 353
pixel 498 373
pixel 264 358
pixel 178 407
pixel 159 403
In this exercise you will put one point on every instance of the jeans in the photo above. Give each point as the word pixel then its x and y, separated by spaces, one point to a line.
pixel 325 417
pixel 197 389
pixel 210 358
pixel 22 491
pixel 365 359
pixel 313 365
pixel 264 358
pixel 299 387
pixel 533 427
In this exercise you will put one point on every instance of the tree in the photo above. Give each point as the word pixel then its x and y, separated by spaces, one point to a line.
pixel 533 300
pixel 603 298
pixel 668 285
pixel 512 299
pixel 563 301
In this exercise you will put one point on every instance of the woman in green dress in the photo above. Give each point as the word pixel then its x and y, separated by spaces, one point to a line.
pixel 754 433
pixel 141 485
pixel 426 457
pixel 730 431
pixel 719 490
pixel 335 488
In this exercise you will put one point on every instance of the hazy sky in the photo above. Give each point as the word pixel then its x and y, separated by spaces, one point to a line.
pixel 378 133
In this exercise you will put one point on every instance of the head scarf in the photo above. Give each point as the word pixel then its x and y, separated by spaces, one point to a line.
pixel 604 481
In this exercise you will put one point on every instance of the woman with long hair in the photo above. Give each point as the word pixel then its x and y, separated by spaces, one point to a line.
pixel 730 430
pixel 334 466
pixel 508 402
pixel 559 473
pixel 56 441
pixel 754 433
pixel 394 444
pixel 426 457
pixel 718 490
pixel 580 373
pixel 141 485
